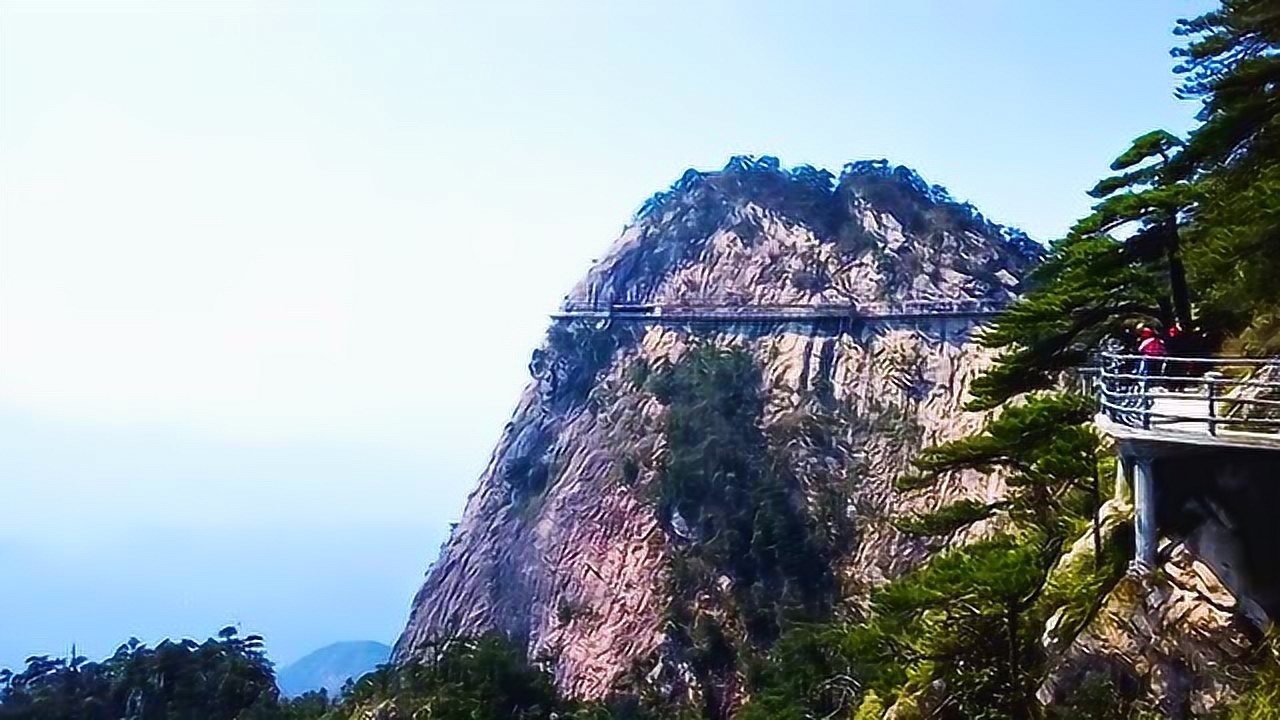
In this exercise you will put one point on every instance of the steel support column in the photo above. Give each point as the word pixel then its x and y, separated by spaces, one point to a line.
pixel 1144 512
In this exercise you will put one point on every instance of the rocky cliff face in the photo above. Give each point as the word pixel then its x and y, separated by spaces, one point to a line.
pixel 1184 641
pixel 575 542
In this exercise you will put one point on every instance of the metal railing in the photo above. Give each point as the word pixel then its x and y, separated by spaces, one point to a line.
pixel 1206 396
pixel 744 309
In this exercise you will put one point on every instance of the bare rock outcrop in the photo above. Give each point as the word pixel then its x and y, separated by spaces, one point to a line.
pixel 1185 640
pixel 562 546
pixel 1176 639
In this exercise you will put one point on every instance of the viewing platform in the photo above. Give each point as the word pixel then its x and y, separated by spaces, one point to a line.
pixel 1223 402
pixel 1167 408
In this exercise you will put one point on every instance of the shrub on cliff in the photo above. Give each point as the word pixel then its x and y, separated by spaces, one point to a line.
pixel 719 479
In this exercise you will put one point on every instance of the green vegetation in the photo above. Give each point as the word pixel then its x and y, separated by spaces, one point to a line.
pixel 718 477
pixel 230 678
pixel 1261 699
pixel 1186 232
pixel 576 353
pixel 806 674
pixel 1049 457
pixel 459 679
pixel 966 622
pixel 748 525
pixel 227 678
pixel 1109 695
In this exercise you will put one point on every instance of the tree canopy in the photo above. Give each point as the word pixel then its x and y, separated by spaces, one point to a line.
pixel 223 678
pixel 1187 230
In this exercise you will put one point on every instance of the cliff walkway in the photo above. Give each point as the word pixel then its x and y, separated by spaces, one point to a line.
pixel 1232 402
pixel 1164 409
pixel 730 313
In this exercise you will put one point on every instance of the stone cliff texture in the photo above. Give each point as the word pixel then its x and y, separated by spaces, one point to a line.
pixel 1178 641
pixel 563 547
pixel 1182 642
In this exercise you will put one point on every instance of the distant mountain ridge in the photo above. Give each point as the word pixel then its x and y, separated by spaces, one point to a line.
pixel 331 666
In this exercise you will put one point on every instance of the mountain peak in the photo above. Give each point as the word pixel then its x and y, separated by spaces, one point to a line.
pixel 331 666
pixel 815 195
pixel 758 233
pixel 590 541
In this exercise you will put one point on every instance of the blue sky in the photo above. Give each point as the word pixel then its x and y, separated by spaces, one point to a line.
pixel 270 273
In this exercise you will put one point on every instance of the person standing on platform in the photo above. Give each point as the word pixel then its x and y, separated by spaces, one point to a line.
pixel 1153 352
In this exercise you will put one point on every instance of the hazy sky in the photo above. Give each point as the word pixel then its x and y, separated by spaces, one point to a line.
pixel 270 273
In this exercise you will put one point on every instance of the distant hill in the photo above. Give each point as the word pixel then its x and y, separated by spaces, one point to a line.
pixel 330 666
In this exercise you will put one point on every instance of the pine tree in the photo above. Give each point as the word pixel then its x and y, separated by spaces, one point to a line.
pixel 1185 224
pixel 1048 454
pixel 1232 65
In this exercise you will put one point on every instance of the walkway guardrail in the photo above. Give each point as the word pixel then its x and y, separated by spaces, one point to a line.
pixel 745 310
pixel 1213 397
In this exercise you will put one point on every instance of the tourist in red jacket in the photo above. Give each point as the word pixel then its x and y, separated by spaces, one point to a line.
pixel 1153 352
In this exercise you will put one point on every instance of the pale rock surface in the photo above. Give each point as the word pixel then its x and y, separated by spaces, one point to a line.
pixel 576 570
pixel 1178 635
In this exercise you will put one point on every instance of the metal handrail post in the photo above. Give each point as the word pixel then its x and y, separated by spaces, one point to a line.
pixel 1211 380
pixel 1145 395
